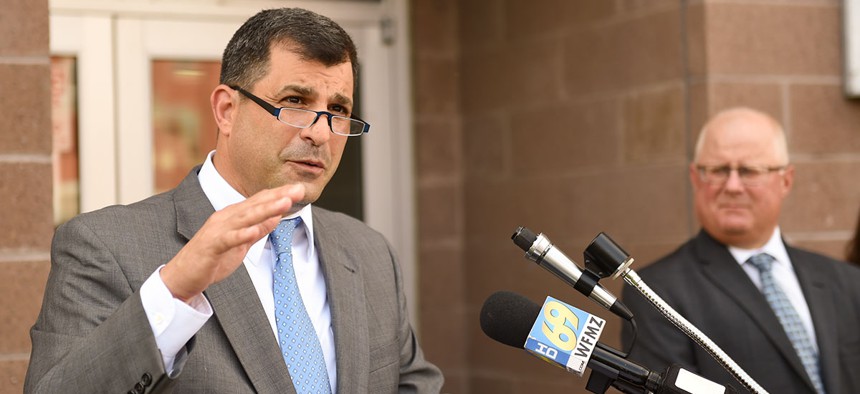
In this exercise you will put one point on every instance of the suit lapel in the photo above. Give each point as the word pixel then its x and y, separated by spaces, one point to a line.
pixel 235 301
pixel 725 273
pixel 813 281
pixel 237 307
pixel 192 206
pixel 345 294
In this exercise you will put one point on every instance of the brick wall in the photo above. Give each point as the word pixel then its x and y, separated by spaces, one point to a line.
pixel 25 180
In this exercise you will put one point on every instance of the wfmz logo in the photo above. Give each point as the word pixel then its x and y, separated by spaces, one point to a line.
pixel 564 335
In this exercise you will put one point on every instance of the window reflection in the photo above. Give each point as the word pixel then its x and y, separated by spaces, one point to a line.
pixel 184 130
pixel 64 125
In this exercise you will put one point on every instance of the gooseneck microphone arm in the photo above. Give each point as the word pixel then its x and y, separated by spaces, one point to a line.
pixel 609 258
pixel 633 279
pixel 539 249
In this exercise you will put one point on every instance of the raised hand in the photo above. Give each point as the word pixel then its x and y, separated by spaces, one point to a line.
pixel 220 245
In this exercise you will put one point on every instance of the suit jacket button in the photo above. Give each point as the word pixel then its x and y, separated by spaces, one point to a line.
pixel 146 379
pixel 138 388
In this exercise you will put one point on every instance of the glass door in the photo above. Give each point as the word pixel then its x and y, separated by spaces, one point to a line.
pixel 83 104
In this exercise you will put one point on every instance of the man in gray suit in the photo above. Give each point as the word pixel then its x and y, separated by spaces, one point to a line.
pixel 192 291
pixel 810 340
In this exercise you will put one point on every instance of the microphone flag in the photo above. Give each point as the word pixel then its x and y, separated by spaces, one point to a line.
pixel 564 335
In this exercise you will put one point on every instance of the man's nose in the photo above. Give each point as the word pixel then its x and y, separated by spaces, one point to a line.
pixel 734 181
pixel 319 132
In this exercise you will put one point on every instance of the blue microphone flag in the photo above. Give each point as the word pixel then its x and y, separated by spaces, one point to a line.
pixel 564 335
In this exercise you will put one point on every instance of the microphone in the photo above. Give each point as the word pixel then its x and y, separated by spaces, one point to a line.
pixel 539 249
pixel 508 318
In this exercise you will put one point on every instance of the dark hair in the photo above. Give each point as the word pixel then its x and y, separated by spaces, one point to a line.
pixel 312 36
pixel 854 246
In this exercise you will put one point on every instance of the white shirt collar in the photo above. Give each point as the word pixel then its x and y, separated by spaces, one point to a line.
pixel 221 194
pixel 774 247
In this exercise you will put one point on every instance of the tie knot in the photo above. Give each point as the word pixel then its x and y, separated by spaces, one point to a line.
pixel 282 237
pixel 762 261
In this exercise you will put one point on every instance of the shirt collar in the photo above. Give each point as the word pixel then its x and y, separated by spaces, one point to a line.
pixel 774 247
pixel 221 194
pixel 216 188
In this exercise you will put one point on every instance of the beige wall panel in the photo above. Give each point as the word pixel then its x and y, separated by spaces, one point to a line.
pixel 823 121
pixel 437 30
pixel 481 24
pixel 487 148
pixel 621 55
pixel 632 205
pixel 825 198
pixel 561 139
pixel 436 86
pixel 495 208
pixel 486 80
pixel 439 155
pixel 439 218
pixel 775 39
pixel 654 129
pixel 706 99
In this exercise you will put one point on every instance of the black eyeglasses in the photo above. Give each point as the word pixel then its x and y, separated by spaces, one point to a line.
pixel 304 118
pixel 749 175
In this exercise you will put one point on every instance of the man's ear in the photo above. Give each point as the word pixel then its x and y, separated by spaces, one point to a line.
pixel 694 176
pixel 787 179
pixel 224 101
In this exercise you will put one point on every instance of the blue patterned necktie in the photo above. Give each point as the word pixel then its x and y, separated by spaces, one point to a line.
pixel 296 336
pixel 789 319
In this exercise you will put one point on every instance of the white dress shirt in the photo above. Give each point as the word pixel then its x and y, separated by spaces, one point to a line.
pixel 175 322
pixel 783 274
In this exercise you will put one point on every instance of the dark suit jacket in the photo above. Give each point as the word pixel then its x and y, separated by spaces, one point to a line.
pixel 702 281
pixel 92 334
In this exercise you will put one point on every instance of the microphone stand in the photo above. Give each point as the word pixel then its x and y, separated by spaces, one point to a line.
pixel 602 376
pixel 604 257
pixel 631 378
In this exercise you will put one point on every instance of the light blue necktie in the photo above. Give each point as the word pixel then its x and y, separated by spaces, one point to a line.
pixel 296 336
pixel 789 319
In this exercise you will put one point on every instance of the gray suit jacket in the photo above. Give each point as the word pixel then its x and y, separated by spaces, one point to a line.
pixel 92 334
pixel 704 283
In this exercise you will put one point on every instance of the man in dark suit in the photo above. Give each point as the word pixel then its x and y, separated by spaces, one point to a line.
pixel 192 290
pixel 809 340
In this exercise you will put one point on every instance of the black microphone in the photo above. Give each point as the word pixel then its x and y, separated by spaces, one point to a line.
pixel 508 317
pixel 539 249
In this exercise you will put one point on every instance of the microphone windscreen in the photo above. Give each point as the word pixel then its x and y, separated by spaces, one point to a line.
pixel 524 238
pixel 508 317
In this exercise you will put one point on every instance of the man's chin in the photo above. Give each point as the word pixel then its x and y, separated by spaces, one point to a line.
pixel 734 225
pixel 730 234
pixel 312 193
pixel 735 228
pixel 735 234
